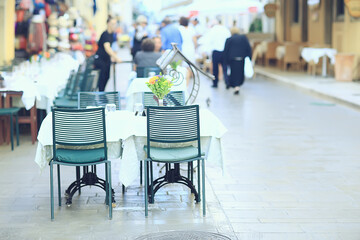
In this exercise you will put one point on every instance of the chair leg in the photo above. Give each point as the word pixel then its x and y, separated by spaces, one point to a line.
pixel 110 190
pixel 203 187
pixel 51 192
pixel 141 175
pixel 152 182
pixel 59 184
pixel 11 132
pixel 106 185
pixel 198 176
pixel 146 187
pixel 17 129
pixel 188 172
pixel 78 178
pixel 192 172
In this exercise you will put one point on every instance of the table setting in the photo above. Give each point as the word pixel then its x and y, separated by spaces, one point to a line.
pixel 39 79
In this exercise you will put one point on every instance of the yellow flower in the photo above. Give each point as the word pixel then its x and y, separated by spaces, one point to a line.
pixel 152 80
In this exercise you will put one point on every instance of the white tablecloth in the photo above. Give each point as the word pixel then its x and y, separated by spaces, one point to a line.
pixel 314 54
pixel 124 126
pixel 42 81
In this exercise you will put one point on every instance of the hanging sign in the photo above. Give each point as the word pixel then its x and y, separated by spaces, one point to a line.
pixel 270 10
pixel 353 7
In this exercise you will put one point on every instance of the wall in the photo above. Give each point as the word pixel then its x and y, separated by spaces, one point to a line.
pixel 345 39
pixel 7 30
pixel 316 29
pixel 279 21
pixel 295 33
pixel 295 28
pixel 98 20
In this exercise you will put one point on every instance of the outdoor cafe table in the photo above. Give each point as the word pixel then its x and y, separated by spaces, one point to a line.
pixel 127 131
pixel 314 54
pixel 41 81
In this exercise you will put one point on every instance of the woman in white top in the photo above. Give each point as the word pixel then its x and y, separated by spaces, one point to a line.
pixel 189 39
pixel 188 35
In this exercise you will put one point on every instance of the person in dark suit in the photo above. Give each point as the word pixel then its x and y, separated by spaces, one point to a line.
pixel 237 47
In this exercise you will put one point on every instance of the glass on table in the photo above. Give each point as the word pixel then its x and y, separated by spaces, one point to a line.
pixel 110 107
pixel 138 109
pixel 151 74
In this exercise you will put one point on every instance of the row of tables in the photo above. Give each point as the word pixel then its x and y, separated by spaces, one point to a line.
pixel 34 85
pixel 309 54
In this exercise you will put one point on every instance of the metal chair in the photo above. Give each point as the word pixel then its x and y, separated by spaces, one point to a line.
pixel 174 98
pixel 79 139
pixel 142 72
pixel 11 112
pixel 173 125
pixel 83 80
pixel 98 99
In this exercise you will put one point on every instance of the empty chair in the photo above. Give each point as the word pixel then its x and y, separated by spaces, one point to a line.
pixel 98 99
pixel 292 55
pixel 183 128
pixel 174 98
pixel 271 52
pixel 143 72
pixel 79 139
pixel 11 112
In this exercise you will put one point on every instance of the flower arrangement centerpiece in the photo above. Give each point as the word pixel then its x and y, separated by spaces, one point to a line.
pixel 160 85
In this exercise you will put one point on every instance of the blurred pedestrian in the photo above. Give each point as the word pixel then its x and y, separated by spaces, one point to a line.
pixel 170 34
pixel 140 34
pixel 215 39
pixel 237 48
pixel 198 28
pixel 104 55
pixel 157 42
pixel 146 57
pixel 188 39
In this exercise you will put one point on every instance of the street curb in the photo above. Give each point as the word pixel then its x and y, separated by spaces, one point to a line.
pixel 312 91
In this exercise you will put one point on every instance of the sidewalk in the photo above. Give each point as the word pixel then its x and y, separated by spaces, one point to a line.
pixel 347 93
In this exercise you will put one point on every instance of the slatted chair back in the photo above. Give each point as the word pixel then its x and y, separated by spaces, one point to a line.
pixel 292 53
pixel 94 86
pixel 142 72
pixel 173 125
pixel 89 67
pixel 69 83
pixel 174 98
pixel 98 99
pixel 78 127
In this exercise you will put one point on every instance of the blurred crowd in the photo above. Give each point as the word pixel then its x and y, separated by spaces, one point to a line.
pixel 212 46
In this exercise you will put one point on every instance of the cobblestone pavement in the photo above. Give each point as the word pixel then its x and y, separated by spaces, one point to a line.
pixel 292 172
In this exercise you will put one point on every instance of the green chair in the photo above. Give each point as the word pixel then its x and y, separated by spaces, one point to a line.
pixel 173 125
pixel 174 98
pixel 79 139
pixel 143 72
pixel 11 112
pixel 83 81
pixel 98 99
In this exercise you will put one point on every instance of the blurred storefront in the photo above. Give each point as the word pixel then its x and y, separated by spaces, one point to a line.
pixel 7 31
pixel 321 23
pixel 56 25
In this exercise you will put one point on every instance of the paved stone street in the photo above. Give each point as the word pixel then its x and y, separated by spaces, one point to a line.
pixel 292 172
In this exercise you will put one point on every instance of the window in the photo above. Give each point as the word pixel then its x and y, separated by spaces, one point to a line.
pixel 339 10
pixel 295 11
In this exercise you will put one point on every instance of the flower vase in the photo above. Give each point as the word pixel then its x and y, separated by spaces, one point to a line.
pixel 161 102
